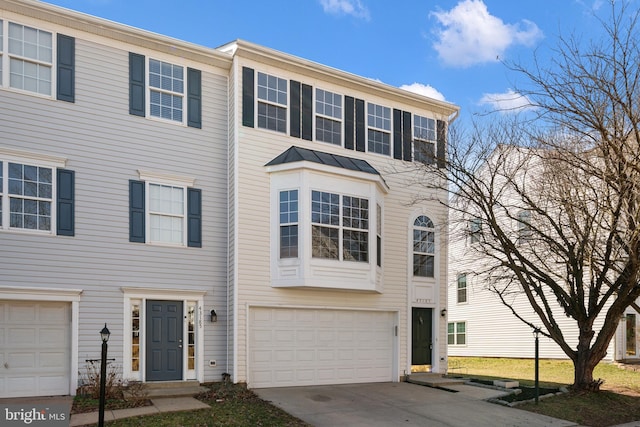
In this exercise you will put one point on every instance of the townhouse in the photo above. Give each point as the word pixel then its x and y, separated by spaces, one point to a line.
pixel 232 210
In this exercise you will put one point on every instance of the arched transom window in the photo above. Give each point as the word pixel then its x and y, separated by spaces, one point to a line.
pixel 423 247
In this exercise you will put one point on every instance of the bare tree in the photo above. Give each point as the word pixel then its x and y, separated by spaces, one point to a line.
pixel 574 170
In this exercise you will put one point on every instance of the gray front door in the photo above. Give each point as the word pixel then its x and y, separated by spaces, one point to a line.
pixel 421 340
pixel 164 340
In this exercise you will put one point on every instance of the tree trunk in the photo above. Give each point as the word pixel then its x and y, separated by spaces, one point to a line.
pixel 584 362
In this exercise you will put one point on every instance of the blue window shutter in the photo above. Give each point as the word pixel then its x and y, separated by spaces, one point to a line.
pixel 66 62
pixel 406 135
pixel 65 203
pixel 294 112
pixel 360 127
pixel 194 98
pixel 441 139
pixel 137 106
pixel 247 97
pixel 397 134
pixel 307 112
pixel 349 122
pixel 194 218
pixel 136 211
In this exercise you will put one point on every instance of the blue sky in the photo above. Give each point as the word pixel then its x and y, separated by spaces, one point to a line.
pixel 447 49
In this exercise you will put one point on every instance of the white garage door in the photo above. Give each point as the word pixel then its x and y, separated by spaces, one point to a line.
pixel 295 347
pixel 34 348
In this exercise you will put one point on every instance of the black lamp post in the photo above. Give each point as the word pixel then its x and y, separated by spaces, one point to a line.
pixel 536 332
pixel 104 334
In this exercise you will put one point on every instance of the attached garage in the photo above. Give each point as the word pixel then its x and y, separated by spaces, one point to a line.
pixel 35 348
pixel 297 346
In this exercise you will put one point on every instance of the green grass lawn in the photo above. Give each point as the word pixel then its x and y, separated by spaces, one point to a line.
pixel 231 405
pixel 617 403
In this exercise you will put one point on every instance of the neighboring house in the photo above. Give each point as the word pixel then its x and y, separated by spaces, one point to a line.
pixel 480 325
pixel 150 184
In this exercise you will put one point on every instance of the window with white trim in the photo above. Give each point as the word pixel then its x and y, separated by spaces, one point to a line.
pixel 27 62
pixel 328 117
pixel 457 333
pixel 26 196
pixel 475 230
pixel 462 288
pixel 165 209
pixel 340 227
pixel 379 129
pixel 424 139
pixel 424 247
pixel 524 225
pixel 379 235
pixel 135 335
pixel 272 103
pixel 289 224
pixel 166 90
pixel 167 219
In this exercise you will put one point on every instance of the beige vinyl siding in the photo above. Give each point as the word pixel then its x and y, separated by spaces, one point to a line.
pixel 256 147
pixel 106 147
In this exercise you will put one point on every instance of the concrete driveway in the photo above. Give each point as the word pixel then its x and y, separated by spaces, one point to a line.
pixel 400 404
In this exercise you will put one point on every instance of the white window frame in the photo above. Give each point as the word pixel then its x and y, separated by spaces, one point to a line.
pixel 341 227
pixel 475 230
pixel 306 271
pixel 151 89
pixel 277 103
pixel 456 334
pixel 415 252
pixel 30 159
pixel 336 115
pixel 424 137
pixel 462 277
pixel 151 178
pixel 289 223
pixel 6 56
pixel 379 123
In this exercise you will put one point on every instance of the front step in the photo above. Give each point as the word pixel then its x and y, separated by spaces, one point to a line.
pixel 433 380
pixel 173 388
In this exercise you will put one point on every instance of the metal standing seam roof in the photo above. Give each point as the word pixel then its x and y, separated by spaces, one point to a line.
pixel 298 154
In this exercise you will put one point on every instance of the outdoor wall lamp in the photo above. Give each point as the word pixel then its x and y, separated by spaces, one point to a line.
pixel 214 316
pixel 443 312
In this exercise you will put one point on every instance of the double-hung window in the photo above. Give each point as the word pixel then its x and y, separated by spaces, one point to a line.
pixel 524 225
pixel 272 103
pixel 457 333
pixel 165 211
pixel 340 227
pixel 166 90
pixel 328 117
pixel 289 224
pixel 424 139
pixel 35 194
pixel 379 129
pixel 475 230
pixel 27 196
pixel 167 214
pixel 27 64
pixel 423 247
pixel 462 288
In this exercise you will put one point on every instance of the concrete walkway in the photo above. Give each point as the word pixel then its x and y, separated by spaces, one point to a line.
pixel 164 404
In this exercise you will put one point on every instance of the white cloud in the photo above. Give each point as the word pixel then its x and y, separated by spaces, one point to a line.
pixel 425 90
pixel 469 34
pixel 346 7
pixel 508 102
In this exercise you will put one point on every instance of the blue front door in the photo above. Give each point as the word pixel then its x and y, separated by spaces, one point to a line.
pixel 164 341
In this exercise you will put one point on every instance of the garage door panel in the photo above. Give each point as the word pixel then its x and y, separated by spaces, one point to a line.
pixel 35 348
pixel 22 313
pixel 21 360
pixel 319 347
